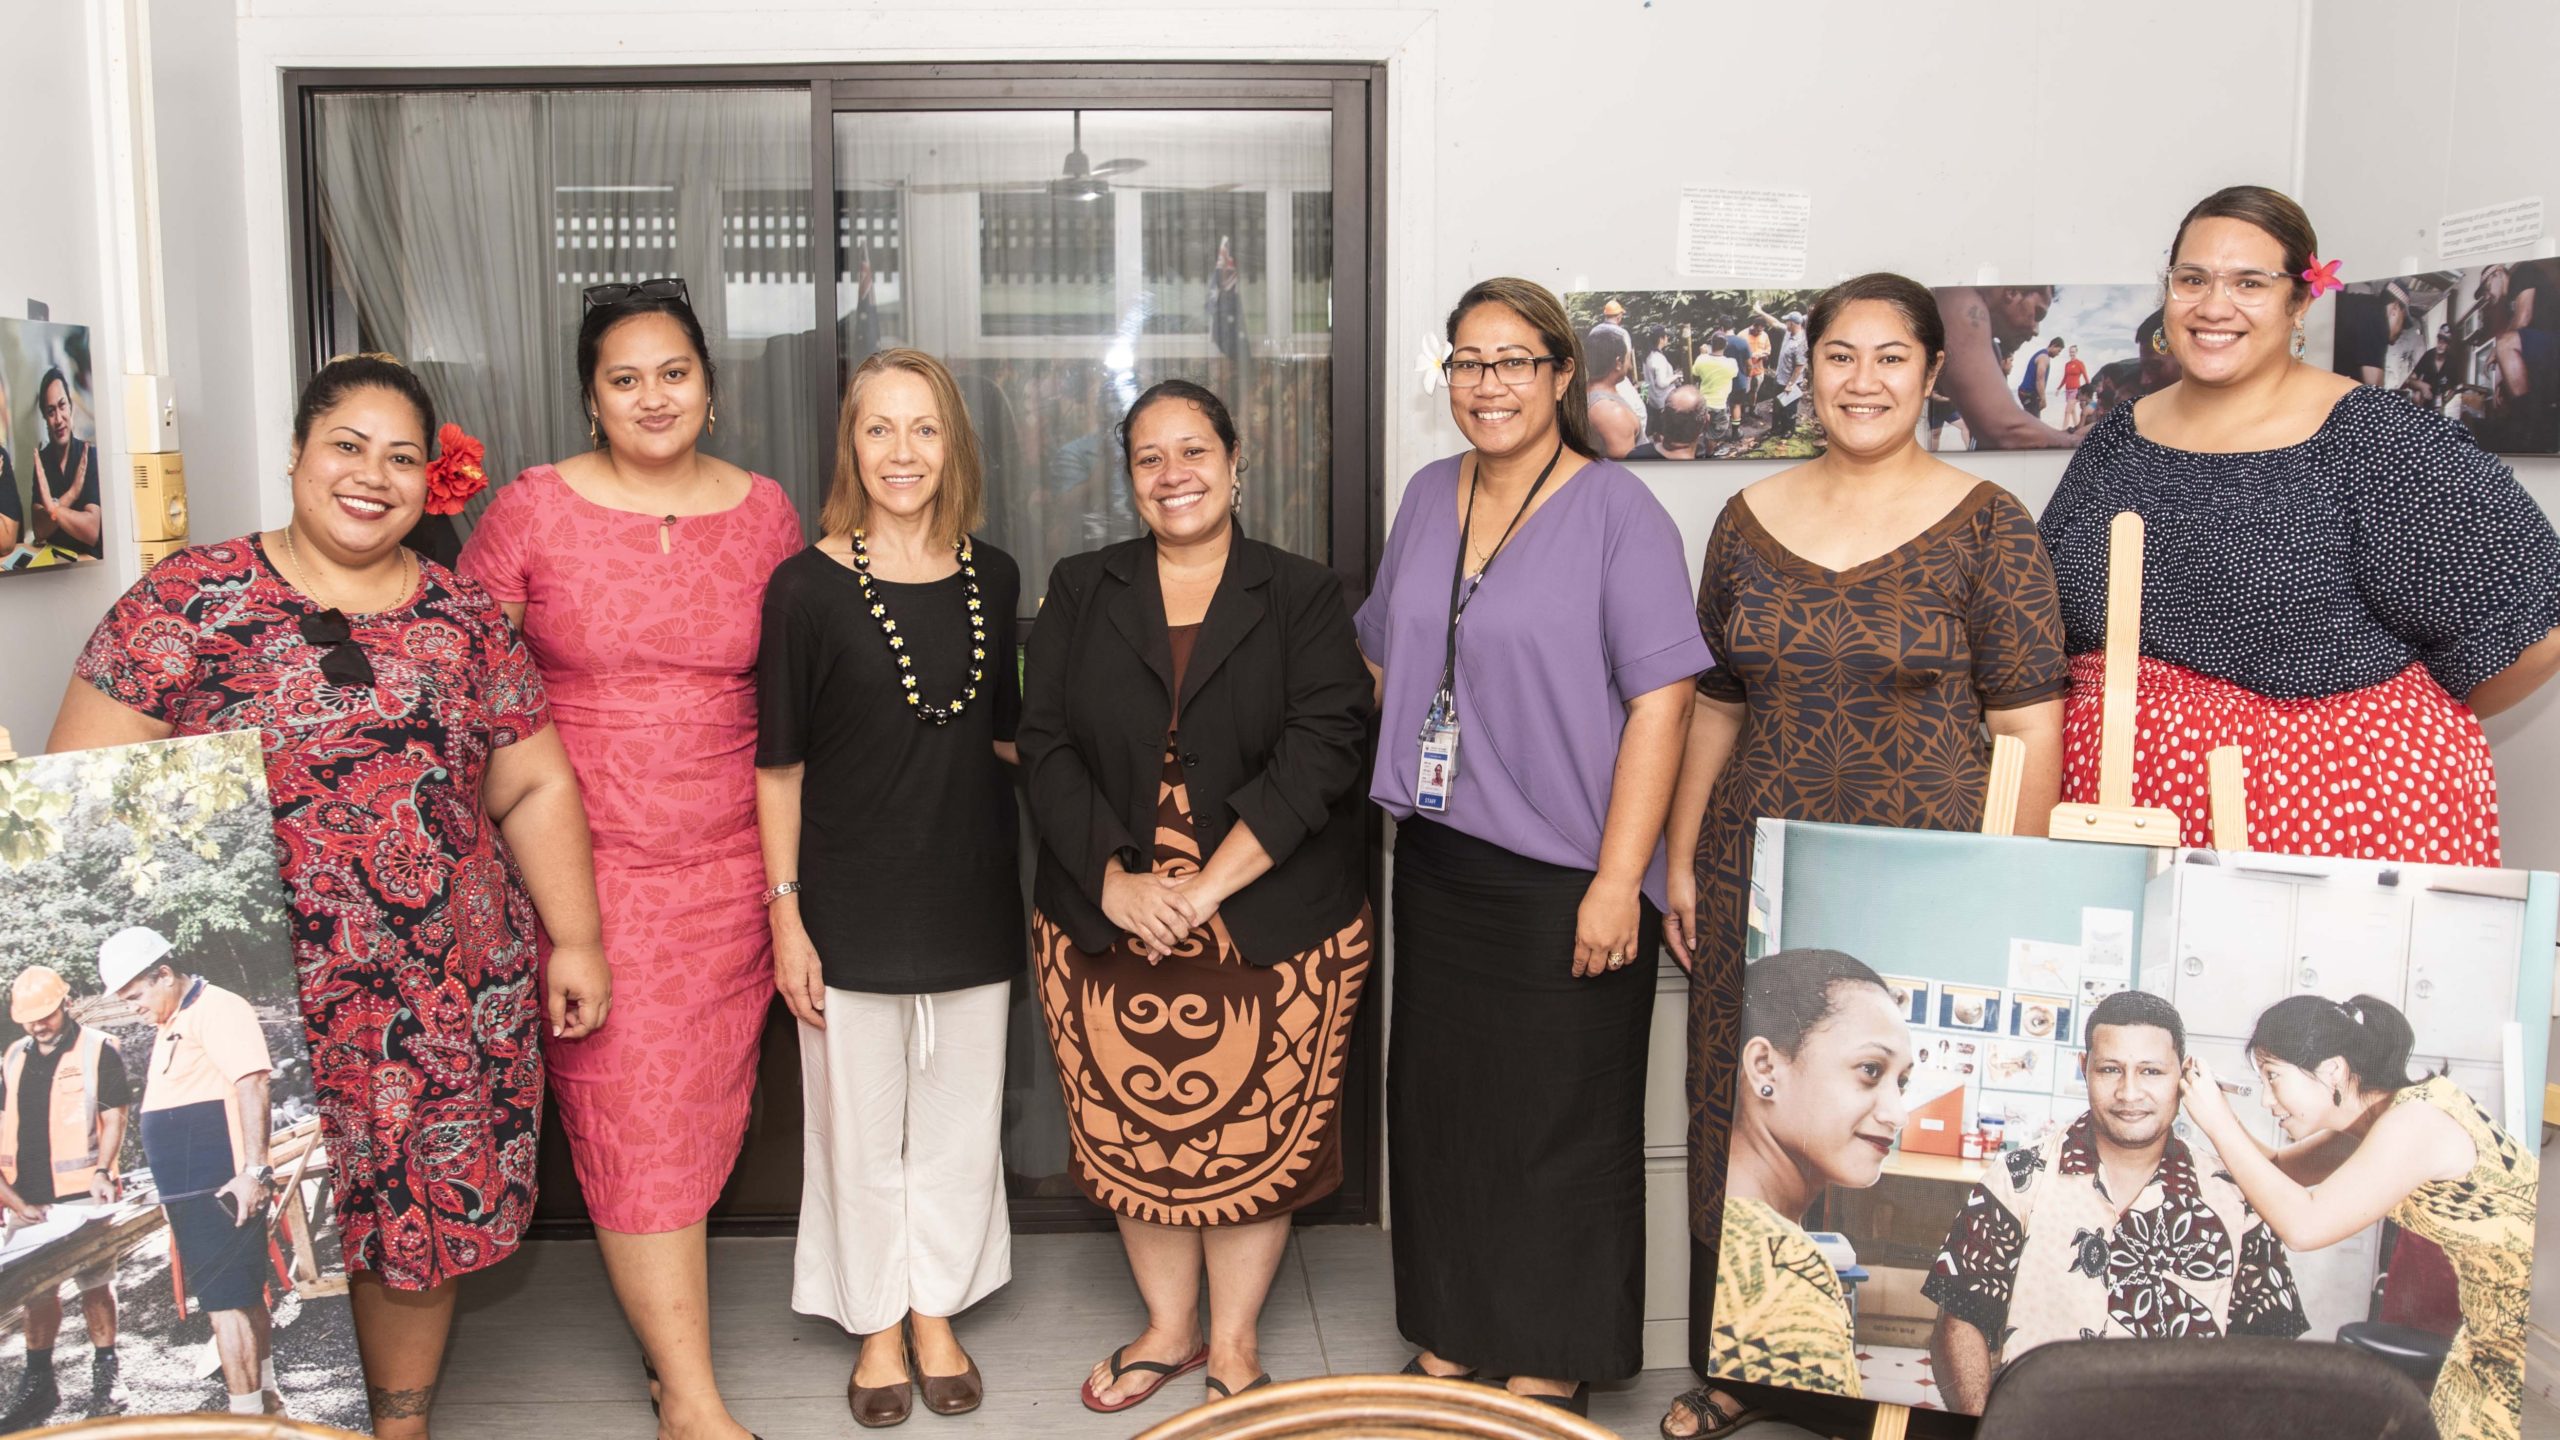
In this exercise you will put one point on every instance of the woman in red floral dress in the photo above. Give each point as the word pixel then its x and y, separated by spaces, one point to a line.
pixel 419 795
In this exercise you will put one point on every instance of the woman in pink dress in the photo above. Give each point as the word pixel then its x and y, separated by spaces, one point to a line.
pixel 637 573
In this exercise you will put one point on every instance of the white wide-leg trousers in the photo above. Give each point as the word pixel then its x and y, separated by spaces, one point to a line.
pixel 902 1207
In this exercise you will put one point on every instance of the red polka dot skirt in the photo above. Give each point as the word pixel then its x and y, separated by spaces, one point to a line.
pixel 2395 771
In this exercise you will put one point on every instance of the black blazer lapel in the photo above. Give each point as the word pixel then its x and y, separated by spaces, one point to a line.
pixel 1137 609
pixel 1234 609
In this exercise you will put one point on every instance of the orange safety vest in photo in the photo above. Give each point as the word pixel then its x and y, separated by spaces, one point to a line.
pixel 74 1107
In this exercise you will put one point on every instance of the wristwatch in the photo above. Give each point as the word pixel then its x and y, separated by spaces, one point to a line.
pixel 263 1174
pixel 787 887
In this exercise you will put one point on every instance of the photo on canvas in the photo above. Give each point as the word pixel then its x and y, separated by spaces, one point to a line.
pixel 1697 374
pixel 52 472
pixel 2481 346
pixel 165 1178
pixel 2120 1169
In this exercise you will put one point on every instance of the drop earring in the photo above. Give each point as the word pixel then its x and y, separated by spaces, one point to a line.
pixel 2301 342
pixel 2336 1097
pixel 710 419
pixel 594 440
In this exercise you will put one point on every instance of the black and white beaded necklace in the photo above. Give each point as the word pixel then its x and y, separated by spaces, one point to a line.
pixel 898 643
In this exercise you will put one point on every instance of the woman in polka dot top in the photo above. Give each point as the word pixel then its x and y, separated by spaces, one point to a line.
pixel 2334 578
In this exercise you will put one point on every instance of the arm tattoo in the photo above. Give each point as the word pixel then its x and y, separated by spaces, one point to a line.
pixel 399 1404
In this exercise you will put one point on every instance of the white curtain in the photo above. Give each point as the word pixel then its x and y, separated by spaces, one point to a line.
pixel 462 226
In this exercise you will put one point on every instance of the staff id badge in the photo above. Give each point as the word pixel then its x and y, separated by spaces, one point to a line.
pixel 1438 768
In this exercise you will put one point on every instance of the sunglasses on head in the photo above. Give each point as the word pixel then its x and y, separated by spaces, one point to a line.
pixel 617 292
pixel 342 660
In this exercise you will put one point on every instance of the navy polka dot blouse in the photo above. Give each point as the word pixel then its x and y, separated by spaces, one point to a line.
pixel 2388 538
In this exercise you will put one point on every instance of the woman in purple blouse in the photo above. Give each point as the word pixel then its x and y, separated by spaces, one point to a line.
pixel 1532 727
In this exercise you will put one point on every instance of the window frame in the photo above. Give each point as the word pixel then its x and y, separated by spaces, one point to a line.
pixel 1355 94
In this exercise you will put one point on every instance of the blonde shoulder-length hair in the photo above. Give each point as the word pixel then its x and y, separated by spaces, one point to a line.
pixel 960 500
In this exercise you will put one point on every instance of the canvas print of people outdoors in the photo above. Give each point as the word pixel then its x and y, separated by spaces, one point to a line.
pixel 2033 367
pixel 1724 374
pixel 1697 374
pixel 2120 1092
pixel 169 1245
pixel 2481 345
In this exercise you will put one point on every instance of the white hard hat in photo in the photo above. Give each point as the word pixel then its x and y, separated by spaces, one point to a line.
pixel 128 953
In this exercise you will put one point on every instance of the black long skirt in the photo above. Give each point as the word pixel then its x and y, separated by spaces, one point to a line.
pixel 1515 1116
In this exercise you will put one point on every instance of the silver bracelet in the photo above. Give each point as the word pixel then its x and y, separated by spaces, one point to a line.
pixel 787 887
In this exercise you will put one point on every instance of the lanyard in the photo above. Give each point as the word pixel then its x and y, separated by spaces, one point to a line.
pixel 1444 706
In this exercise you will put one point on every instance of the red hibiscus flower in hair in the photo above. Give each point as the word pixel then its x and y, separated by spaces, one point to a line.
pixel 456 474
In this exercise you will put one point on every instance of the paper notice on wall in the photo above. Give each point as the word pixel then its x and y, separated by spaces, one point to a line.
pixel 2504 226
pixel 1757 236
pixel 2106 942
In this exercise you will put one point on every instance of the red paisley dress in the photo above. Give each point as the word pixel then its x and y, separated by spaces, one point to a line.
pixel 413 934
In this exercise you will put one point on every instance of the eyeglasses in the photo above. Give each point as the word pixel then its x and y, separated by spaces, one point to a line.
pixel 1512 370
pixel 2249 289
pixel 618 292
pixel 342 660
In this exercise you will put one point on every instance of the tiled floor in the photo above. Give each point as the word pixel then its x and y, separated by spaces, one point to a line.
pixel 542 1352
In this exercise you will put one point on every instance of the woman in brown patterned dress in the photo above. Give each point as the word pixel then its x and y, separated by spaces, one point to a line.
pixel 1871 611
pixel 1192 736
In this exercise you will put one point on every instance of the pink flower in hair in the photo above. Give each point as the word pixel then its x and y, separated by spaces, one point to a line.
pixel 2322 277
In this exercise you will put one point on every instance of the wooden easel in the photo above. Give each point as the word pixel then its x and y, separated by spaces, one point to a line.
pixel 2115 819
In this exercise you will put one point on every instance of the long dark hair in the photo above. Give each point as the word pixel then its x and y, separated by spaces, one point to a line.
pixel 1538 305
pixel 1787 995
pixel 2370 1035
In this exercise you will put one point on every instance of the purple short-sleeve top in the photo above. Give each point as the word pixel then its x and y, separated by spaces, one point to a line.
pixel 1588 607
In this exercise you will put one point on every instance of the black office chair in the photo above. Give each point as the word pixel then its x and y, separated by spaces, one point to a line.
pixel 2417 1305
pixel 2204 1390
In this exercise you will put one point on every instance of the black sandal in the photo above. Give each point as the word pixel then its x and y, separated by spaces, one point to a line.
pixel 1256 1383
pixel 651 1371
pixel 1713 1419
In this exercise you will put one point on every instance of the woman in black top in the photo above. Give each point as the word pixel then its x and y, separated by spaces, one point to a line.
pixel 887 704
pixel 1193 736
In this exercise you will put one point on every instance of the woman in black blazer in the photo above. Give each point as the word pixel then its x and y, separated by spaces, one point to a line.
pixel 1193 736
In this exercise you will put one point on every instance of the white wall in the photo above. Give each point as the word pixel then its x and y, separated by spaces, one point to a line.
pixel 2409 122
pixel 205 264
pixel 51 250
pixel 1844 99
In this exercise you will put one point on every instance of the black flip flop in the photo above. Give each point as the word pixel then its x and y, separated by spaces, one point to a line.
pixel 1256 1383
pixel 1159 1369
pixel 1414 1367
